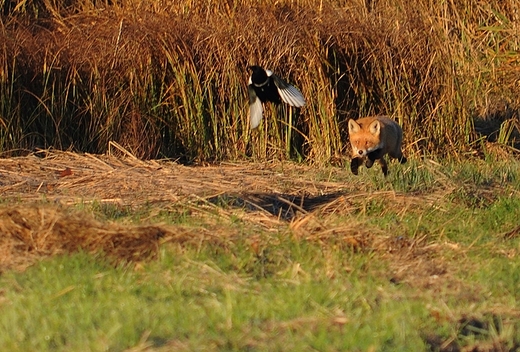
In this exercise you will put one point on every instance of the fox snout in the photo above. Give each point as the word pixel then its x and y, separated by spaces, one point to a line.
pixel 361 152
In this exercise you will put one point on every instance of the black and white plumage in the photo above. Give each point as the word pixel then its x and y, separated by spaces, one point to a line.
pixel 265 86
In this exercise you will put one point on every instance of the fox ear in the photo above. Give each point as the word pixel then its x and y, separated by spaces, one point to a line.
pixel 375 127
pixel 353 126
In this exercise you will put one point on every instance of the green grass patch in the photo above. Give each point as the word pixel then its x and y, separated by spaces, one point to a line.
pixel 78 303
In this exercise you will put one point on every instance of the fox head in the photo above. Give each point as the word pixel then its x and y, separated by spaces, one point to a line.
pixel 364 138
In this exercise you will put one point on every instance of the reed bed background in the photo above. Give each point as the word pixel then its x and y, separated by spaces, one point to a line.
pixel 168 78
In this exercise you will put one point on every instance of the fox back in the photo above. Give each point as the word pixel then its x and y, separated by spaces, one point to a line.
pixel 372 138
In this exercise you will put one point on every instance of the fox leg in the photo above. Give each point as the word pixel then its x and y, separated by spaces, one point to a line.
pixel 373 156
pixel 384 166
pixel 354 165
pixel 400 157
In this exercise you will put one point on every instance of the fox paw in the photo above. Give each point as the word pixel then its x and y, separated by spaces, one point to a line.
pixel 354 165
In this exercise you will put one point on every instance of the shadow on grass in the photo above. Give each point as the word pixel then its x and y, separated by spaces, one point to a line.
pixel 284 206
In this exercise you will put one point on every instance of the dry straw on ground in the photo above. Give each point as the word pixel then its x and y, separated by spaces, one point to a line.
pixel 272 196
pixel 32 232
pixel 70 178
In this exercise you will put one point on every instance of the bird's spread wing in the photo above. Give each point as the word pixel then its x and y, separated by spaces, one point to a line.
pixel 289 94
pixel 255 108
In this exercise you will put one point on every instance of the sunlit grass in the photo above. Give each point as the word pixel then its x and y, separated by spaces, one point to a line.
pixel 413 262
pixel 170 81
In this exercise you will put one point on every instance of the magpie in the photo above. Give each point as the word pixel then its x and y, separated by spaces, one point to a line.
pixel 265 86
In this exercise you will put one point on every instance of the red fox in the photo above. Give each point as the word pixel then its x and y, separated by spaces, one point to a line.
pixel 371 139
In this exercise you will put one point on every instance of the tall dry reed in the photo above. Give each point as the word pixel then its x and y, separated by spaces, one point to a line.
pixel 169 78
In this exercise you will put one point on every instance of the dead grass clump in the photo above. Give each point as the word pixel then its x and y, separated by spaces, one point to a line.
pixel 30 232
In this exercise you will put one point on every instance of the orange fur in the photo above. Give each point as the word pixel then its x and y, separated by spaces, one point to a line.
pixel 371 139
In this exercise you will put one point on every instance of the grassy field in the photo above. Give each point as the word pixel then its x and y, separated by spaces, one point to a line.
pixel 139 212
pixel 268 257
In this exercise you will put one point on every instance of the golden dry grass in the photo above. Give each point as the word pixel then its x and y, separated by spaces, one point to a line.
pixel 36 220
pixel 31 232
pixel 169 78
pixel 71 178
